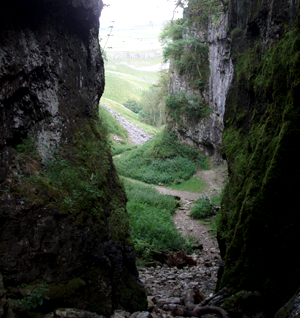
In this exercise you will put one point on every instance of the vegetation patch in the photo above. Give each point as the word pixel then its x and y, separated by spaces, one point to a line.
pixel 194 184
pixel 151 222
pixel 74 179
pixel 189 105
pixel 117 149
pixel 187 53
pixel 112 126
pixel 201 209
pixel 261 146
pixel 160 160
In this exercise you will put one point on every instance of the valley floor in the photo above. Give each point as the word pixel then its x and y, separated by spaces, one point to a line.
pixel 168 285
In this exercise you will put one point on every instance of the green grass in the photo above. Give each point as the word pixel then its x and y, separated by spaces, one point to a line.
pixel 117 149
pixel 120 87
pixel 120 109
pixel 194 184
pixel 129 115
pixel 160 160
pixel 201 209
pixel 151 222
pixel 216 200
pixel 113 127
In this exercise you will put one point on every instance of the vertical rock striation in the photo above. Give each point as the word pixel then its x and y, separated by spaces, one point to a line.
pixel 206 132
pixel 259 222
pixel 62 209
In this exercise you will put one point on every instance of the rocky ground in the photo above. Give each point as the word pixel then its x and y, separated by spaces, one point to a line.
pixel 168 285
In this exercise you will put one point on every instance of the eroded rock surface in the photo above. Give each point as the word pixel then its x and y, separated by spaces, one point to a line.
pixel 260 143
pixel 60 196
pixel 206 132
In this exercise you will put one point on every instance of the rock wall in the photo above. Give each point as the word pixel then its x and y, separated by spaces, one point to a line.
pixel 206 132
pixel 63 220
pixel 259 221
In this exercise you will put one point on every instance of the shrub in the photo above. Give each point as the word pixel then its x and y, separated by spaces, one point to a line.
pixel 190 105
pixel 201 209
pixel 187 53
pixel 35 298
pixel 133 105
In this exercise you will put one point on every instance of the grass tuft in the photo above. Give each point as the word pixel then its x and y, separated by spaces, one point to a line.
pixel 201 209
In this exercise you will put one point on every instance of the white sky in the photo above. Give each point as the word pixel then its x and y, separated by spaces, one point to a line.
pixel 136 12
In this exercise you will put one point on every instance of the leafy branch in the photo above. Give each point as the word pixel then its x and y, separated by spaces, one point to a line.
pixel 34 298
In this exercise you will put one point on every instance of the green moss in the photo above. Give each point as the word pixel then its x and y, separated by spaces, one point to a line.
pixel 65 291
pixel 133 296
pixel 261 138
pixel 77 179
pixel 249 302
pixel 118 223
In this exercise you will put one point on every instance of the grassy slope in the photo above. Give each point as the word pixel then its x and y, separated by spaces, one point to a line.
pixel 113 127
pixel 140 68
pixel 132 63
pixel 129 115
pixel 195 184
pixel 127 78
pixel 120 87
pixel 160 160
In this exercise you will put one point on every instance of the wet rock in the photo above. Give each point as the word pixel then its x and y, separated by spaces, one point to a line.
pixel 143 314
pixel 74 313
pixel 2 291
pixel 120 314
pixel 180 260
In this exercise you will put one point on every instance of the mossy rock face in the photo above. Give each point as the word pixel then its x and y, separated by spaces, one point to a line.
pixel 60 197
pixel 250 303
pixel 262 133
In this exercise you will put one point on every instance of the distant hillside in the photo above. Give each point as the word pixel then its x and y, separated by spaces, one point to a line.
pixel 134 60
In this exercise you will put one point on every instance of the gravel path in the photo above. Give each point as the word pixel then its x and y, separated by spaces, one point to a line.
pixel 137 136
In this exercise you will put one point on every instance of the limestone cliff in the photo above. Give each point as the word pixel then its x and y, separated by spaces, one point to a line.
pixel 259 222
pixel 63 220
pixel 205 132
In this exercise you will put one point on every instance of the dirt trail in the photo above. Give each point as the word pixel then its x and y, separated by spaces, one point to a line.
pixel 167 284
pixel 214 179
